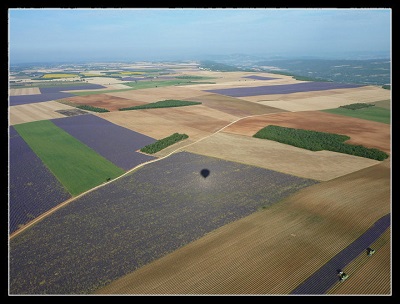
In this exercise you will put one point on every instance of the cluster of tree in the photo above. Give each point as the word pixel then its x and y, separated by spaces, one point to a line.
pixel 317 141
pixel 356 106
pixel 163 104
pixel 93 109
pixel 386 86
pixel 163 143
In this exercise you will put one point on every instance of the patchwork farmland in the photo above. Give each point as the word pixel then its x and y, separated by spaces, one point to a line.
pixel 89 213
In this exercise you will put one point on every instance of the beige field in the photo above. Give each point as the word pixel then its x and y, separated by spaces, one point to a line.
pixel 273 250
pixel 268 154
pixel 368 133
pixel 24 91
pixel 321 100
pixel 234 106
pixel 150 124
pixel 36 111
pixel 103 80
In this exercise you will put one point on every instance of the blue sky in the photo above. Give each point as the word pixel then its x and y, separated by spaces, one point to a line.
pixel 40 35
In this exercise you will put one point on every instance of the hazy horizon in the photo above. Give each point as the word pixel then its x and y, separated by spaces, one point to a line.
pixel 88 35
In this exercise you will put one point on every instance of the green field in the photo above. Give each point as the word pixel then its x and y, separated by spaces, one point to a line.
pixel 75 165
pixel 375 113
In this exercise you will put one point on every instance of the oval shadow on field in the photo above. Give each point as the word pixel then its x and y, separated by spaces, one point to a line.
pixel 205 173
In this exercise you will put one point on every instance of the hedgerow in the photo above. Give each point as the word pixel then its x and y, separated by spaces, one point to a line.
pixel 163 143
pixel 356 106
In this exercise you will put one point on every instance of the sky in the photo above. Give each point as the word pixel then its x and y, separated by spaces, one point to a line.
pixel 77 35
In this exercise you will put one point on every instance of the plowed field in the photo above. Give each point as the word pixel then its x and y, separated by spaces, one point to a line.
pixel 274 250
pixel 104 101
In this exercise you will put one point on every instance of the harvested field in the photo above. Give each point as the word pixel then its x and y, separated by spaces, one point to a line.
pixel 104 101
pixel 386 104
pixel 321 100
pixel 103 80
pixel 227 79
pixel 196 121
pixel 321 165
pixel 37 111
pixel 234 106
pixel 115 143
pixel 291 240
pixel 137 219
pixel 283 89
pixel 157 94
pixel 367 133
pixel 24 91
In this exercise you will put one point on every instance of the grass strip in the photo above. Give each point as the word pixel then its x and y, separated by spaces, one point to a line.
pixel 76 166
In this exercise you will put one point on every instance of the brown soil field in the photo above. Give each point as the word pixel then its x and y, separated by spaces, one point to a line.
pixel 197 121
pixel 273 250
pixel 36 111
pixel 234 106
pixel 268 154
pixel 104 101
pixel 157 94
pixel 368 133
pixel 24 91
pixel 374 270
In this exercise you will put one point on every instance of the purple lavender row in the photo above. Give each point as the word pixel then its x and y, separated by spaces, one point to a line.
pixel 283 89
pixel 322 280
pixel 26 99
pixel 116 143
pixel 259 77
pixel 33 189
pixel 137 219
pixel 90 86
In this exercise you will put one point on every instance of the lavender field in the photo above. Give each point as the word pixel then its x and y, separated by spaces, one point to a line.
pixel 283 88
pixel 48 94
pixel 138 218
pixel 116 143
pixel 257 77
pixel 33 188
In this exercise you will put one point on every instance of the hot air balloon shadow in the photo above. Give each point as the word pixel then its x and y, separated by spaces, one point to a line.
pixel 205 173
